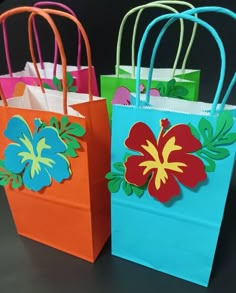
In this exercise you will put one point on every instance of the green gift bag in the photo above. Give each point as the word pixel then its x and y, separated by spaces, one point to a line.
pixel 179 83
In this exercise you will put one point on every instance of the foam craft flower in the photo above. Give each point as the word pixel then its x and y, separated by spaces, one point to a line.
pixel 121 96
pixel 164 161
pixel 38 156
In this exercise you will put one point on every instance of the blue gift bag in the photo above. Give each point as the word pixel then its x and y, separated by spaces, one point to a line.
pixel 170 173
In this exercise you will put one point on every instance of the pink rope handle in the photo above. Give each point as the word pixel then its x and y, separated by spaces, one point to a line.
pixel 47 17
pixel 45 13
pixel 87 48
pixel 67 9
pixel 6 48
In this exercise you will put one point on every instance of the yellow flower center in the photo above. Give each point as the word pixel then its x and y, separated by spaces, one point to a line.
pixel 35 158
pixel 161 175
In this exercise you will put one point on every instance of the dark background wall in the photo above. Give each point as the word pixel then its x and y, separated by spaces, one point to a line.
pixel 101 20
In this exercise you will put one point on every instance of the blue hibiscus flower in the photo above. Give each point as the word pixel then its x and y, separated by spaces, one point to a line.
pixel 37 156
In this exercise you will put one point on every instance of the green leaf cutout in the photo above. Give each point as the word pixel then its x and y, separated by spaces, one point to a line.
pixel 170 85
pixel 210 164
pixel 127 188
pixel 7 177
pixel 119 167
pixel 114 185
pixel 126 156
pixel 75 129
pixel 4 180
pixel 54 123
pixel 69 80
pixel 214 142
pixel 139 191
pixel 47 86
pixel 112 175
pixel 172 89
pixel 69 133
pixel 162 89
pixel 72 89
pixel 194 131
pixel 228 139
pixel 179 91
pixel 117 180
pixel 57 83
pixel 16 180
pixel 224 123
pixel 206 130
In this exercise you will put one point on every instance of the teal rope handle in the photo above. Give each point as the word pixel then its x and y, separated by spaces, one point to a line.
pixel 194 11
pixel 228 92
pixel 173 18
pixel 181 35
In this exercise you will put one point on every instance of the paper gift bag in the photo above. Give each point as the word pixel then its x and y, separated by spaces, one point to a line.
pixel 167 190
pixel 55 152
pixel 51 73
pixel 182 83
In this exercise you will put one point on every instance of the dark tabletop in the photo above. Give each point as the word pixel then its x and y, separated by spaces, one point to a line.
pixel 29 267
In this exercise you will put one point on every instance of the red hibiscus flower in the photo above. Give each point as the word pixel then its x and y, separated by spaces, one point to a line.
pixel 164 161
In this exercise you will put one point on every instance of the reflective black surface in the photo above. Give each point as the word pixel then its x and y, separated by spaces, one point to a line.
pixel 29 267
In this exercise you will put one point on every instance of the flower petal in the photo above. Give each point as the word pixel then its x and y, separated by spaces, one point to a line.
pixel 16 128
pixel 134 173
pixel 52 138
pixel 121 96
pixel 166 191
pixel 184 138
pixel 194 171
pixel 139 134
pixel 60 170
pixel 154 92
pixel 12 161
pixel 38 181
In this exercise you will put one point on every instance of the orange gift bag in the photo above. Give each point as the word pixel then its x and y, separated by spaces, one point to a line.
pixel 54 154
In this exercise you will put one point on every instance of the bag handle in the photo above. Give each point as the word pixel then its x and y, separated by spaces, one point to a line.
pixel 180 42
pixel 44 14
pixel 160 4
pixel 194 11
pixel 19 10
pixel 156 4
pixel 87 47
pixel 39 4
pixel 232 14
pixel 172 18
pixel 6 48
pixel 67 9
pixel 228 92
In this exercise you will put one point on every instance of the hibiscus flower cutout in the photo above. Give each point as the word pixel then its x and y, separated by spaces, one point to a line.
pixel 165 161
pixel 38 156
pixel 121 96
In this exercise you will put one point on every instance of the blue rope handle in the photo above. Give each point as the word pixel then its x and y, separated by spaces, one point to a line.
pixel 173 18
pixel 228 92
pixel 194 11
